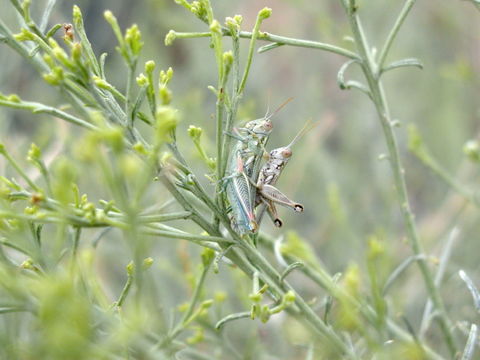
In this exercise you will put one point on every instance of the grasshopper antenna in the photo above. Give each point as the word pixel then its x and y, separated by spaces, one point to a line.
pixel 309 125
pixel 268 117
pixel 268 105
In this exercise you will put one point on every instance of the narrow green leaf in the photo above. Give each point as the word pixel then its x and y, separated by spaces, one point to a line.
pixel 403 63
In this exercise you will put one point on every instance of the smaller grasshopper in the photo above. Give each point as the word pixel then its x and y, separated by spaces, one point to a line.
pixel 267 195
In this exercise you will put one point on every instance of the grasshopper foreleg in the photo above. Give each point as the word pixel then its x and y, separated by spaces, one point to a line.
pixel 236 135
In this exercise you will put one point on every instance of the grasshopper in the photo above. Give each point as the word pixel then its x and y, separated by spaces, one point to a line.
pixel 243 166
pixel 267 195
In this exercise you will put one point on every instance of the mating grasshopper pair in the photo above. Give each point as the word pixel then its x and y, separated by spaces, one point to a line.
pixel 250 186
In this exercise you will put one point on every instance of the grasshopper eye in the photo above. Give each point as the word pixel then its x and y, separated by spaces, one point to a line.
pixel 268 125
pixel 287 153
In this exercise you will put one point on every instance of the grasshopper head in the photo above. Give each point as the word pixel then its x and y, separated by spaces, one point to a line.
pixel 262 126
pixel 281 153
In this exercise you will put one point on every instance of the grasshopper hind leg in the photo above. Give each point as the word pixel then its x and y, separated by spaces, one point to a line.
pixel 298 208
pixel 274 195
pixel 269 206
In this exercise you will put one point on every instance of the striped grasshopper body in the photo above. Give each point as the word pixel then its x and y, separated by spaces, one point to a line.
pixel 267 195
pixel 243 165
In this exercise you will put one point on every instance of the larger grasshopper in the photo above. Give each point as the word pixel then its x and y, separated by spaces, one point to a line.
pixel 267 195
pixel 243 167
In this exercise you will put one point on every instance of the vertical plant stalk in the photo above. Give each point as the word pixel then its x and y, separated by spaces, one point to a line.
pixel 263 14
pixel 192 306
pixel 372 75
pixel 217 44
pixel 125 291
pixel 232 111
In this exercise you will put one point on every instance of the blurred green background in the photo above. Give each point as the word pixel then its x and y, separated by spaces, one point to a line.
pixel 335 172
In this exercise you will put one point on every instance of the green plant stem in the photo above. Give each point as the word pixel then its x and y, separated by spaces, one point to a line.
pixel 378 97
pixel 430 162
pixel 251 48
pixel 21 49
pixel 82 222
pixel 219 137
pixel 6 243
pixel 192 35
pixel 6 310
pixel 187 317
pixel 80 31
pixel 125 291
pixel 232 110
pixel 196 217
pixel 18 169
pixel 182 215
pixel 391 36
pixel 76 240
pixel 38 108
pixel 28 20
pixel 195 297
pixel 128 93
pixel 46 14
pixel 181 236
pixel 301 43
pixel 265 36
pixel 232 317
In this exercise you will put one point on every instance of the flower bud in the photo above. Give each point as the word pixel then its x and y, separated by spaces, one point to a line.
pixel 34 153
pixel 207 256
pixel 166 121
pixel 472 150
pixel 265 13
pixel 149 67
pixel 14 98
pixel 170 38
pixel 147 262
pixel 142 80
pixel 133 38
pixel 215 27
pixel 130 268
pixel 195 132
pixel 165 95
pixel 228 58
pixel 24 35
pixel 76 51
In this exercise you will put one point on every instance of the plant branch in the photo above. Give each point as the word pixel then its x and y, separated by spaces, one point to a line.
pixel 280 40
pixel 378 96
pixel 38 108
pixel 393 33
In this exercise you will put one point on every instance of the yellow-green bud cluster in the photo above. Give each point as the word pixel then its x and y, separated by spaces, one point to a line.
pixel 166 122
pixel 170 37
pixel 472 150
pixel 133 38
